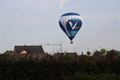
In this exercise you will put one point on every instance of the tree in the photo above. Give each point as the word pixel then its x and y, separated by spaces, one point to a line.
pixel 112 53
pixel 8 52
pixel 97 53
pixel 88 53
pixel 103 51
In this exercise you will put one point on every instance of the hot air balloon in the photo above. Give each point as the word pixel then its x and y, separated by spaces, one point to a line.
pixel 70 23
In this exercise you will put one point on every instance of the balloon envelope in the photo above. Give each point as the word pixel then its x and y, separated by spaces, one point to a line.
pixel 70 23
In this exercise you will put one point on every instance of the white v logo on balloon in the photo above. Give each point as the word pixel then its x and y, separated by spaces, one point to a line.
pixel 73 26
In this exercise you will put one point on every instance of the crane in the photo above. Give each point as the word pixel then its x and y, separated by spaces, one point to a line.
pixel 58 44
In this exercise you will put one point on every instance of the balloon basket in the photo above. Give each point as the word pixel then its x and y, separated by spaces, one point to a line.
pixel 71 42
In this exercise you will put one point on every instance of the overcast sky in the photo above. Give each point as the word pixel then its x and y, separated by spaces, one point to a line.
pixel 35 22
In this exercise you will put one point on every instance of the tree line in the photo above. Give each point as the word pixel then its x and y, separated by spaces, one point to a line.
pixel 99 65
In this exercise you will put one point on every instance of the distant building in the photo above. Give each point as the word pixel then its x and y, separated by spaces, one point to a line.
pixel 68 54
pixel 30 50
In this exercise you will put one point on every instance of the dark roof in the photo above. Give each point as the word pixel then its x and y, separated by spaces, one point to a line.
pixel 29 49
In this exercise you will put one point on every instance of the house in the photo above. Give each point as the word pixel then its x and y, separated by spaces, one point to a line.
pixel 28 50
